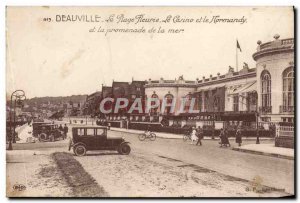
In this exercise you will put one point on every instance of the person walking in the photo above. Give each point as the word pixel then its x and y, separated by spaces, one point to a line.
pixel 66 129
pixel 199 135
pixel 221 137
pixel 60 127
pixel 226 137
pixel 238 136
pixel 193 135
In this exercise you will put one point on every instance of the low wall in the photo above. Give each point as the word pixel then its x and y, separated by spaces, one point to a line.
pixel 209 132
pixel 284 141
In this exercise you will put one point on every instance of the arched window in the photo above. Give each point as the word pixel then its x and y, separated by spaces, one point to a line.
pixel 288 87
pixel 266 89
pixel 252 101
pixel 188 99
pixel 217 103
pixel 169 100
pixel 154 110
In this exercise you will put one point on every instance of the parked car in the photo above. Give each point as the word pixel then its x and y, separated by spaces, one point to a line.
pixel 49 132
pixel 95 138
pixel 36 129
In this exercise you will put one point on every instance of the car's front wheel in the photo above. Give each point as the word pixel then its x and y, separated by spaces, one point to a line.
pixel 124 149
pixel 80 150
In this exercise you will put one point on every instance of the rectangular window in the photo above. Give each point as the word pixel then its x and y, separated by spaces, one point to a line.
pixel 287 119
pixel 80 132
pixel 99 132
pixel 266 119
pixel 90 132
pixel 236 102
pixel 200 103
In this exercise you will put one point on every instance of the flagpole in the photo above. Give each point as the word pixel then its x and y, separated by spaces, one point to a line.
pixel 236 57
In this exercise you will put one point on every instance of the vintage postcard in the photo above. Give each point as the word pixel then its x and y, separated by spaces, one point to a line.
pixel 145 102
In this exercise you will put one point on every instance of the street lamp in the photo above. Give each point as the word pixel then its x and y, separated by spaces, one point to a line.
pixel 19 96
pixel 257 131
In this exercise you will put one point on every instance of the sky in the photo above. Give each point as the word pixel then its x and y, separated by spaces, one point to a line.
pixel 64 58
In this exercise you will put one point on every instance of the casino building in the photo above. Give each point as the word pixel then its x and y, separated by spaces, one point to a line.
pixel 260 97
pixel 267 88
pixel 275 76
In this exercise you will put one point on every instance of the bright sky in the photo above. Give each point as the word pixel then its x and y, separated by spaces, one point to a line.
pixel 61 59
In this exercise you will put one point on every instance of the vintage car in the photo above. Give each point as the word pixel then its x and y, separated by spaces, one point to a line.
pixel 95 138
pixel 36 129
pixel 49 132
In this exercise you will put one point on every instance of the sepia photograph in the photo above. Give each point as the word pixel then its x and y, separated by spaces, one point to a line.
pixel 150 102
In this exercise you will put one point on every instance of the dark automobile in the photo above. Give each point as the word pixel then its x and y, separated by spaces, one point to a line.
pixel 49 132
pixel 95 138
pixel 36 129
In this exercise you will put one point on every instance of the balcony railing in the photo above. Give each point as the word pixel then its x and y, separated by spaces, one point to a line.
pixel 265 109
pixel 283 42
pixel 286 109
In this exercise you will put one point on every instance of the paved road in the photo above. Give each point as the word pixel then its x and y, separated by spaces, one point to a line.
pixel 275 172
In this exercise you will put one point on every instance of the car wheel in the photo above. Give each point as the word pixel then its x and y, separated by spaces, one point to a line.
pixel 142 137
pixel 152 136
pixel 43 137
pixel 80 150
pixel 125 149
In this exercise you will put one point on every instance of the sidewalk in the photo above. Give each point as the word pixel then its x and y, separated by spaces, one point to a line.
pixel 177 136
pixel 267 150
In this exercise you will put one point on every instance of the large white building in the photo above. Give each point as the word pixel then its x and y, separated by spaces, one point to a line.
pixel 275 76
pixel 268 88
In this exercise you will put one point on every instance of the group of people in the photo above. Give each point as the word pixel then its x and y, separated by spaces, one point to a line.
pixel 64 130
pixel 197 135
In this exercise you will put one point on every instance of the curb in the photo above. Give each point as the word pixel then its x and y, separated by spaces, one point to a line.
pixel 263 153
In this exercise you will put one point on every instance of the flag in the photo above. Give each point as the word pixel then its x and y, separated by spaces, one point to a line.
pixel 238 45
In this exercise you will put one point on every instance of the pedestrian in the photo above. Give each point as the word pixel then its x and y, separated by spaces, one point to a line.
pixel 66 129
pixel 221 137
pixel 238 136
pixel 193 135
pixel 60 128
pixel 199 135
pixel 226 137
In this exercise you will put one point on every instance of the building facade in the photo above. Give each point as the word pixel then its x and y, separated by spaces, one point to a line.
pixel 264 93
pixel 275 76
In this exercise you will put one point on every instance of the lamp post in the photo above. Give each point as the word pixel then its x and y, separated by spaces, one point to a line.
pixel 257 131
pixel 19 96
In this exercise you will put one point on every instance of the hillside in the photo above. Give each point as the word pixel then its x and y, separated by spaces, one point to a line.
pixel 55 100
